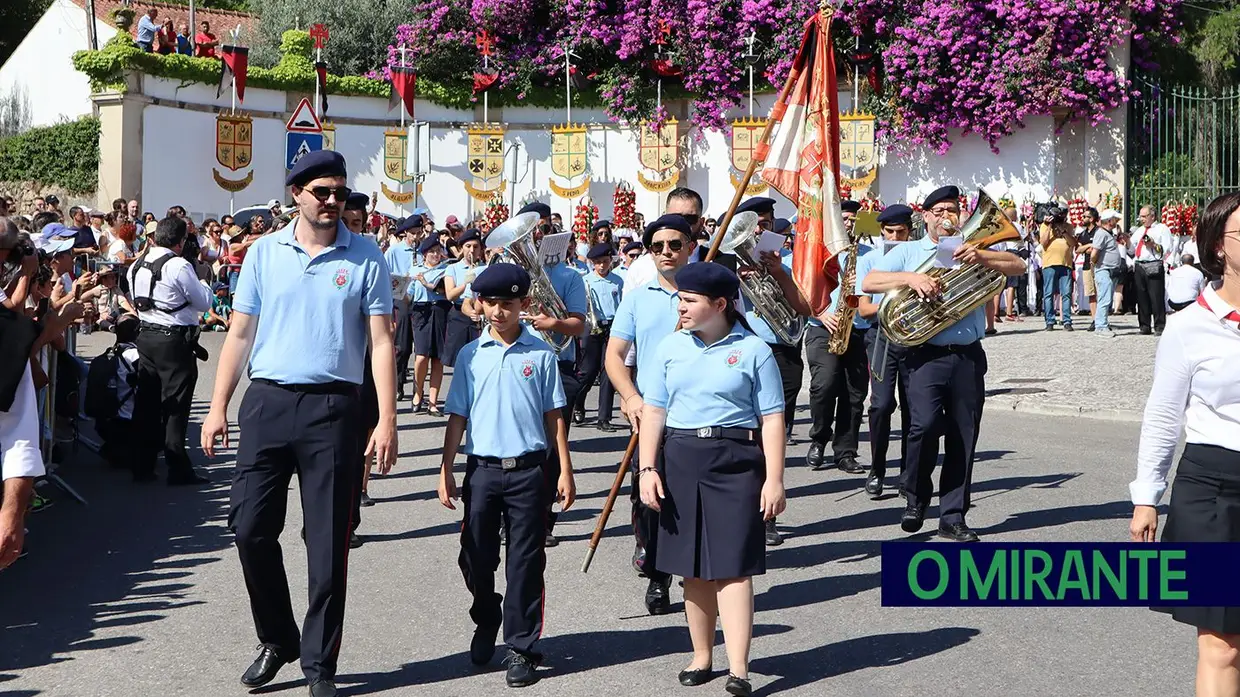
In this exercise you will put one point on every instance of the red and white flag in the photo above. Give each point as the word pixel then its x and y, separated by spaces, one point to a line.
pixel 234 63
pixel 803 163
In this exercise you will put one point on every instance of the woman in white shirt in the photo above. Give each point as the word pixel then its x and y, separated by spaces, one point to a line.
pixel 1197 390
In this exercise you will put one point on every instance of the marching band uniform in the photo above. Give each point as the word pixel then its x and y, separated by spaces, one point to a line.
pixel 461 329
pixel 400 262
pixel 604 297
pixel 428 310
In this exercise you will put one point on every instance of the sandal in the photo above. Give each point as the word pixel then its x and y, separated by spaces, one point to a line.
pixel 434 411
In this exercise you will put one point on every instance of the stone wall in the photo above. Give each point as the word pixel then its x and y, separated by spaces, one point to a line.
pixel 24 194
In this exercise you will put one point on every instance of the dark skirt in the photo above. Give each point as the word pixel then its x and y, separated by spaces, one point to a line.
pixel 430 323
pixel 461 330
pixel 710 526
pixel 1205 507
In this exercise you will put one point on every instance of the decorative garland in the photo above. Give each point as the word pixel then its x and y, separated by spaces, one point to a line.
pixel 624 207
pixel 584 217
pixel 496 213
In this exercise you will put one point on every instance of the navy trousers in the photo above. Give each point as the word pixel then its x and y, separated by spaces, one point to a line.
pixel 404 344
pixel 488 492
pixel 791 372
pixel 591 368
pixel 837 390
pixel 947 381
pixel 313 432
pixel 884 389
pixel 551 466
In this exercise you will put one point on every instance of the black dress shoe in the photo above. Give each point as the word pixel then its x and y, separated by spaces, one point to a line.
pixel 739 687
pixel 264 668
pixel 914 516
pixel 695 677
pixel 1145 331
pixel 355 541
pixel 606 427
pixel 400 395
pixel 789 440
pixel 773 538
pixel 579 417
pixel 849 465
pixel 816 457
pixel 658 600
pixel 366 500
pixel 191 479
pixel 482 647
pixel 322 688
pixel 550 541
pixel 957 532
pixel 521 670
pixel 874 484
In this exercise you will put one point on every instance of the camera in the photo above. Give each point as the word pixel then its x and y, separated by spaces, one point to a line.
pixel 1049 213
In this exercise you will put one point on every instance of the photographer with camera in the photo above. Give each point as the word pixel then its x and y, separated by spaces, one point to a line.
pixel 169 299
pixel 1058 249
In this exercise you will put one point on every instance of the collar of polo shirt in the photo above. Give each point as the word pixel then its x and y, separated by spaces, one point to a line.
pixel 285 235
pixel 525 337
pixel 736 332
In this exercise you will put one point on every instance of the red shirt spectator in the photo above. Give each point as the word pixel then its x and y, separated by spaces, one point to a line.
pixel 204 41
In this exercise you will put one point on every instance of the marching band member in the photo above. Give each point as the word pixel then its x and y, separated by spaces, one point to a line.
pixel 508 397
pixel 647 314
pixel 714 389
pixel 400 261
pixel 896 221
pixel 428 309
pixel 1194 392
pixel 628 254
pixel 604 288
pixel 354 218
pixel 462 328
pixel 946 374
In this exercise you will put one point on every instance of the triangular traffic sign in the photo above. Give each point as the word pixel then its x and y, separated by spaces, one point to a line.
pixel 304 120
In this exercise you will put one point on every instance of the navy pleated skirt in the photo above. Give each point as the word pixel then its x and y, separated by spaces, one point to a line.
pixel 710 526
pixel 430 324
pixel 461 330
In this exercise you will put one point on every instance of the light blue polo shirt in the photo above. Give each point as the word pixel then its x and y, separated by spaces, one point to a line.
pixel 863 250
pixel 400 261
pixel 907 258
pixel 504 392
pixel 463 275
pixel 645 317
pixel 420 293
pixel 569 285
pixel 731 383
pixel 605 294
pixel 759 325
pixel 314 328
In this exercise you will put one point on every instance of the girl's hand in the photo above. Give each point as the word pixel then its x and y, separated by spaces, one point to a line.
pixel 651 490
pixel 772 501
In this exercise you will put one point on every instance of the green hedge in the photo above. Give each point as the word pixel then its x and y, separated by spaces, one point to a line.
pixel 64 155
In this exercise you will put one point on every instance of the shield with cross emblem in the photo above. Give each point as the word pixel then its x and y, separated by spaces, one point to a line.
pixel 745 134
pixel 659 148
pixel 395 147
pixel 858 156
pixel 568 151
pixel 234 146
pixel 486 160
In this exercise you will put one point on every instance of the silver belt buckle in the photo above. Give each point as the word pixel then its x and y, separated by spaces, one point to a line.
pixel 705 432
pixel 508 463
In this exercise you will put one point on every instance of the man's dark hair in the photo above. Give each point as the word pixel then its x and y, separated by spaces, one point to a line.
pixel 170 232
pixel 176 211
pixel 682 193
pixel 74 211
pixel 118 204
pixel 1210 231
pixel 42 220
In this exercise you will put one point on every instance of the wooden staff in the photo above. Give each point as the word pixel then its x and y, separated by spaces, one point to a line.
pixel 758 159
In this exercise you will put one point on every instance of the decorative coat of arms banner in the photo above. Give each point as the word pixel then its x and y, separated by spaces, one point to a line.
pixel 858 156
pixel 658 152
pixel 569 160
pixel 486 161
pixel 395 148
pixel 234 149
pixel 745 134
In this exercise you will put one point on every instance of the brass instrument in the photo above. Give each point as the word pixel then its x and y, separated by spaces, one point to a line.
pixel 591 315
pixel 762 291
pixel 514 242
pixel 911 320
pixel 846 307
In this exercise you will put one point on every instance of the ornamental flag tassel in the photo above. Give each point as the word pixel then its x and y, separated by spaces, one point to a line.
pixel 233 61
pixel 404 81
pixel 320 69
pixel 804 163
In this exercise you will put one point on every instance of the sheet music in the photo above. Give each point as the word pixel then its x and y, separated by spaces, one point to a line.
pixel 769 242
pixel 943 255
pixel 553 248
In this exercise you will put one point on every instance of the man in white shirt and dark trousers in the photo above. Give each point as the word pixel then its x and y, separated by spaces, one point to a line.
pixel 169 299
pixel 1184 283
pixel 1151 243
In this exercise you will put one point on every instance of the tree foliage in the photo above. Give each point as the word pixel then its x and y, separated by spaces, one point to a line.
pixel 64 155
pixel 359 30
pixel 1209 53
pixel 16 19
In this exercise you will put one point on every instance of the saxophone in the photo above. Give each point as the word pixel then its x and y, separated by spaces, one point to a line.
pixel 846 307
pixel 514 241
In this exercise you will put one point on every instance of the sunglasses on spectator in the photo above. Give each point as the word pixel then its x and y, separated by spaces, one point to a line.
pixel 322 193
pixel 673 245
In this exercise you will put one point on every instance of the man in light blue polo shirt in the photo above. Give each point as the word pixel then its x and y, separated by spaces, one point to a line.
pixel 146 29
pixel 946 374
pixel 309 299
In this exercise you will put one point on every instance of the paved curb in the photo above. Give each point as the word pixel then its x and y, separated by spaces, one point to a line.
pixel 1037 407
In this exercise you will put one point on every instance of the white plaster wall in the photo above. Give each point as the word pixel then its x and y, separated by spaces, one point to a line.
pixel 42 65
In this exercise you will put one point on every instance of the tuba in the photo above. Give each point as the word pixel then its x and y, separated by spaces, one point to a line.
pixel 514 241
pixel 762 291
pixel 911 320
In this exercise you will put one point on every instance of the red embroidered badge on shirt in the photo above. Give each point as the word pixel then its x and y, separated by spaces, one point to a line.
pixel 342 278
pixel 734 357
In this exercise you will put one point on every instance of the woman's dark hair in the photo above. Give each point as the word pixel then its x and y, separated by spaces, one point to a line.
pixel 734 315
pixel 1210 231
pixel 208 221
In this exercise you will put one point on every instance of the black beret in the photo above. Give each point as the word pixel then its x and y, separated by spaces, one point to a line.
pixel 469 236
pixel 357 201
pixel 600 225
pixel 712 280
pixel 781 226
pixel 542 209
pixel 312 165
pixel 431 242
pixel 410 223
pixel 758 204
pixel 896 214
pixel 850 206
pixel 632 246
pixel 502 281
pixel 945 193
pixel 668 221
pixel 600 250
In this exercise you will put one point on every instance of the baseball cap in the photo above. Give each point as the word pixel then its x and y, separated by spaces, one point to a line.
pixel 273 203
pixel 58 245
pixel 1111 214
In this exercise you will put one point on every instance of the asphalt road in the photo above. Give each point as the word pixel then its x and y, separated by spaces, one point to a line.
pixel 140 593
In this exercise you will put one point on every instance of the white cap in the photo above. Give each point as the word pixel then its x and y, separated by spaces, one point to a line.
pixel 273 203
pixel 57 245
pixel 1111 214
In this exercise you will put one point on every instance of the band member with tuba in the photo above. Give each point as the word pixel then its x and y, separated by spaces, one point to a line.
pixel 604 290
pixel 946 374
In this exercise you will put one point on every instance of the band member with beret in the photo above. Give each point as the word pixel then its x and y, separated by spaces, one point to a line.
pixel 507 398
pixel 354 218
pixel 401 258
pixel 714 405
pixel 946 374
pixel 310 298
pixel 603 288
pixel 428 310
pixel 462 328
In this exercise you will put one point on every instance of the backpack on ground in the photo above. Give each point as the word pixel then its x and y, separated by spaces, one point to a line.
pixel 105 391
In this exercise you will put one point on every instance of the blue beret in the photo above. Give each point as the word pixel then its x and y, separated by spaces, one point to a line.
pixel 502 281
pixel 542 209
pixel 469 236
pixel 357 201
pixel 944 193
pixel 758 204
pixel 668 221
pixel 431 242
pixel 781 226
pixel 709 279
pixel 850 206
pixel 413 221
pixel 311 166
pixel 600 250
pixel 600 225
pixel 897 214
pixel 632 246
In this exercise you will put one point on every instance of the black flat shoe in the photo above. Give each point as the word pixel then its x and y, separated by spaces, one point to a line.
pixel 322 688
pixel 913 518
pixel 366 500
pixel 579 417
pixel 550 541
pixel 606 427
pixel 738 687
pixel 957 532
pixel 695 677
pixel 355 541
pixel 264 668
pixel 773 538
pixel 434 411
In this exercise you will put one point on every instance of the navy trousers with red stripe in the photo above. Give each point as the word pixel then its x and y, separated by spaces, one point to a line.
pixel 521 496
pixel 314 434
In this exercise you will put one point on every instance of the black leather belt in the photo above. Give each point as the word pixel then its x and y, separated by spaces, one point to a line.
pixel 950 348
pixel 165 328
pixel 336 387
pixel 509 464
pixel 715 433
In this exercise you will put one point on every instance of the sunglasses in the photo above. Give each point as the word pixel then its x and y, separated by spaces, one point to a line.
pixel 673 245
pixel 322 193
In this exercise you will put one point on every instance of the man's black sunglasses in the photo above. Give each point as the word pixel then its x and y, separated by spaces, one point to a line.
pixel 674 245
pixel 322 193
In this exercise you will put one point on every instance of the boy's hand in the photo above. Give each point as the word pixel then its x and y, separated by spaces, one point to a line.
pixel 566 490
pixel 447 490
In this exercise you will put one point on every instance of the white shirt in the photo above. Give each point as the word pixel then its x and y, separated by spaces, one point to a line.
pixel 178 284
pixel 124 391
pixel 1155 233
pixel 1184 283
pixel 119 251
pixel 19 430
pixel 1196 390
